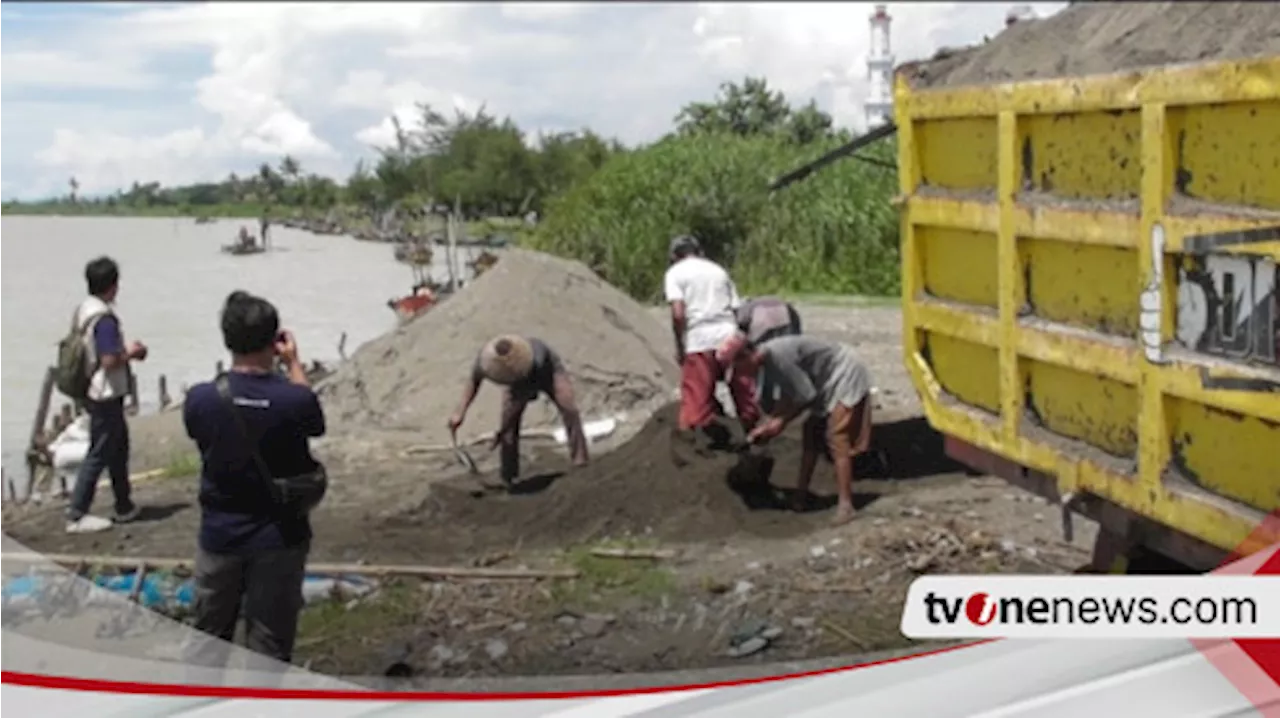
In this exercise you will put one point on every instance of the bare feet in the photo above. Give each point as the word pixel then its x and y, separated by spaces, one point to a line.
pixel 844 514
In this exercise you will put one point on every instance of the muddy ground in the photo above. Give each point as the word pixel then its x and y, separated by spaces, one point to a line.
pixel 747 583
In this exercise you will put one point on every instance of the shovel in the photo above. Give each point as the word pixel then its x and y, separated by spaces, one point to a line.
pixel 461 454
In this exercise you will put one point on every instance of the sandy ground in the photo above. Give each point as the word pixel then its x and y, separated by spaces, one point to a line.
pixel 741 566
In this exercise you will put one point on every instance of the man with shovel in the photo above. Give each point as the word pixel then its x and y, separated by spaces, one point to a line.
pixel 525 368
pixel 827 380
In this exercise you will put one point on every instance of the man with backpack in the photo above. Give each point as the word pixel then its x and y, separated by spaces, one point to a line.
pixel 93 369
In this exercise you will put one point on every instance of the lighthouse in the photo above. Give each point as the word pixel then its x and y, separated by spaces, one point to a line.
pixel 879 105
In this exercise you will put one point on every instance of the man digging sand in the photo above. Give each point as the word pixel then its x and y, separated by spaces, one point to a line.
pixel 525 367
pixel 827 380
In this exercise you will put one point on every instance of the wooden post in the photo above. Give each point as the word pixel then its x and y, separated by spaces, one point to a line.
pixel 163 391
pixel 132 406
pixel 41 419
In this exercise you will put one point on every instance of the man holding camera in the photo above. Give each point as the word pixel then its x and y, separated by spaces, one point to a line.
pixel 258 484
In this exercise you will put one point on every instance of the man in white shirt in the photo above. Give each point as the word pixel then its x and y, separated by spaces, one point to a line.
pixel 703 299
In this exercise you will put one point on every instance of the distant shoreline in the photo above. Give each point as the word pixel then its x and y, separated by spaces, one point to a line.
pixel 214 211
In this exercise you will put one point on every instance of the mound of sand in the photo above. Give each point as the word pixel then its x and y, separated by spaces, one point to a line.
pixel 656 485
pixel 1097 38
pixel 410 379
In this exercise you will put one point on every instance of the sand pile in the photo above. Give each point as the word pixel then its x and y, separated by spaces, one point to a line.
pixel 410 379
pixel 1097 38
pixel 656 485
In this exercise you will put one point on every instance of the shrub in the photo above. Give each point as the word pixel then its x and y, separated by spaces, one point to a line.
pixel 835 232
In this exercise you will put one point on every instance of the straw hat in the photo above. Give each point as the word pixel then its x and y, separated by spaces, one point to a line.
pixel 506 359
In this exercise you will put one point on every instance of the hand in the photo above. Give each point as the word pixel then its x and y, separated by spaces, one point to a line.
pixel 137 351
pixel 767 430
pixel 454 423
pixel 286 347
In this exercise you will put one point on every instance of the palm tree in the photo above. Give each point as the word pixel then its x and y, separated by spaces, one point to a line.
pixel 75 188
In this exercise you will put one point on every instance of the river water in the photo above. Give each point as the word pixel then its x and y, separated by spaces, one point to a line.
pixel 173 282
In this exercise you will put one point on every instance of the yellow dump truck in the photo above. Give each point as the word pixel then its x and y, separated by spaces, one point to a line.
pixel 1090 296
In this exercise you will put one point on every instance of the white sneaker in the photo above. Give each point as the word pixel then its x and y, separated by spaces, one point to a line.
pixel 88 524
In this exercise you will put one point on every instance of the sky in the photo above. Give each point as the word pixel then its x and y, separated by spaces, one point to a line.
pixel 187 92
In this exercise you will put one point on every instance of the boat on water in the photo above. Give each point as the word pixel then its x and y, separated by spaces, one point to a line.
pixel 245 243
pixel 420 301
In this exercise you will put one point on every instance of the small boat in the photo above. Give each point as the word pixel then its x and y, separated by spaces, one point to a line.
pixel 245 243
pixel 406 308
pixel 238 249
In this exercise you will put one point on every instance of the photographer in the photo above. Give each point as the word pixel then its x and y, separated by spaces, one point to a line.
pixel 258 483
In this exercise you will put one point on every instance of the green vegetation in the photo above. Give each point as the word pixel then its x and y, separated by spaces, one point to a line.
pixel 612 207
pixel 182 466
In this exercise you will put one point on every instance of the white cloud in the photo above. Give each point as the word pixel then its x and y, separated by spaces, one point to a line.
pixel 219 87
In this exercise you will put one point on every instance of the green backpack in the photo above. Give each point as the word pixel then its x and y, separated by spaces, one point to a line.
pixel 73 373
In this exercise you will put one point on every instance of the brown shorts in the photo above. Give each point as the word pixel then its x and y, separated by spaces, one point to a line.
pixel 846 431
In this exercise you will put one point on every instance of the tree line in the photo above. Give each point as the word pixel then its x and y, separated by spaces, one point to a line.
pixel 609 205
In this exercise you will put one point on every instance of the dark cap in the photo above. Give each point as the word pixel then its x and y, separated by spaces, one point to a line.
pixel 684 244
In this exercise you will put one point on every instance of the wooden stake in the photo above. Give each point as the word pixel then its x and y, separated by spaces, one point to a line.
pixel 653 554
pixel 332 569
pixel 38 424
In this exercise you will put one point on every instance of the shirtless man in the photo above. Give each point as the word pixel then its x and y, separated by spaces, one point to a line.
pixel 525 367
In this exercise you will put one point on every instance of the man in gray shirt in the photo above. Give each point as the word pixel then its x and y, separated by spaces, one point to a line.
pixel 827 380
pixel 759 320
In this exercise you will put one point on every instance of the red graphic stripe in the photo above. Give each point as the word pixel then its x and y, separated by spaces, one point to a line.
pixel 96 685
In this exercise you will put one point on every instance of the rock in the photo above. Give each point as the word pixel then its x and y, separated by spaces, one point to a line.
pixel 817 551
pixel 743 587
pixel 440 654
pixel 517 627
pixel 912 512
pixel 803 622
pixel 771 633
pixel 592 626
pixel 1038 517
pixel 1009 497
pixel 1008 546
pixel 880 522
pixel 1032 553
pixel 748 647
pixel 495 648
pixel 971 515
pixel 607 618
pixel 835 542
pixel 753 566
pixel 567 620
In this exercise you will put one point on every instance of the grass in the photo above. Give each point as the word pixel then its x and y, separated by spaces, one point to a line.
pixel 604 580
pixel 182 466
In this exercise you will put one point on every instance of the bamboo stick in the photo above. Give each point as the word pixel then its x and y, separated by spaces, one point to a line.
pixel 338 569
pixel 653 554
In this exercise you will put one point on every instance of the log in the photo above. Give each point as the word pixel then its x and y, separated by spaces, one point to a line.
pixel 625 553
pixel 332 569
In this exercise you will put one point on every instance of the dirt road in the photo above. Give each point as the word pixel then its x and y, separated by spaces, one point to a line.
pixel 776 585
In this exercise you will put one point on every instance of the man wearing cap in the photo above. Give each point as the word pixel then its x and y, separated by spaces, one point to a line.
pixel 525 368
pixel 759 320
pixel 703 299
pixel 827 380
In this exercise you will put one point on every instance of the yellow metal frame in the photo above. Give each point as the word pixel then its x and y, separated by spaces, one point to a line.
pixel 1156 98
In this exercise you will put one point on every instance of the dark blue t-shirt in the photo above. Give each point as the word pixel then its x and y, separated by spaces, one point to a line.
pixel 106 336
pixel 237 513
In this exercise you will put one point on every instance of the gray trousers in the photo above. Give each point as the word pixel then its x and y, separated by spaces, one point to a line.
pixel 264 588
